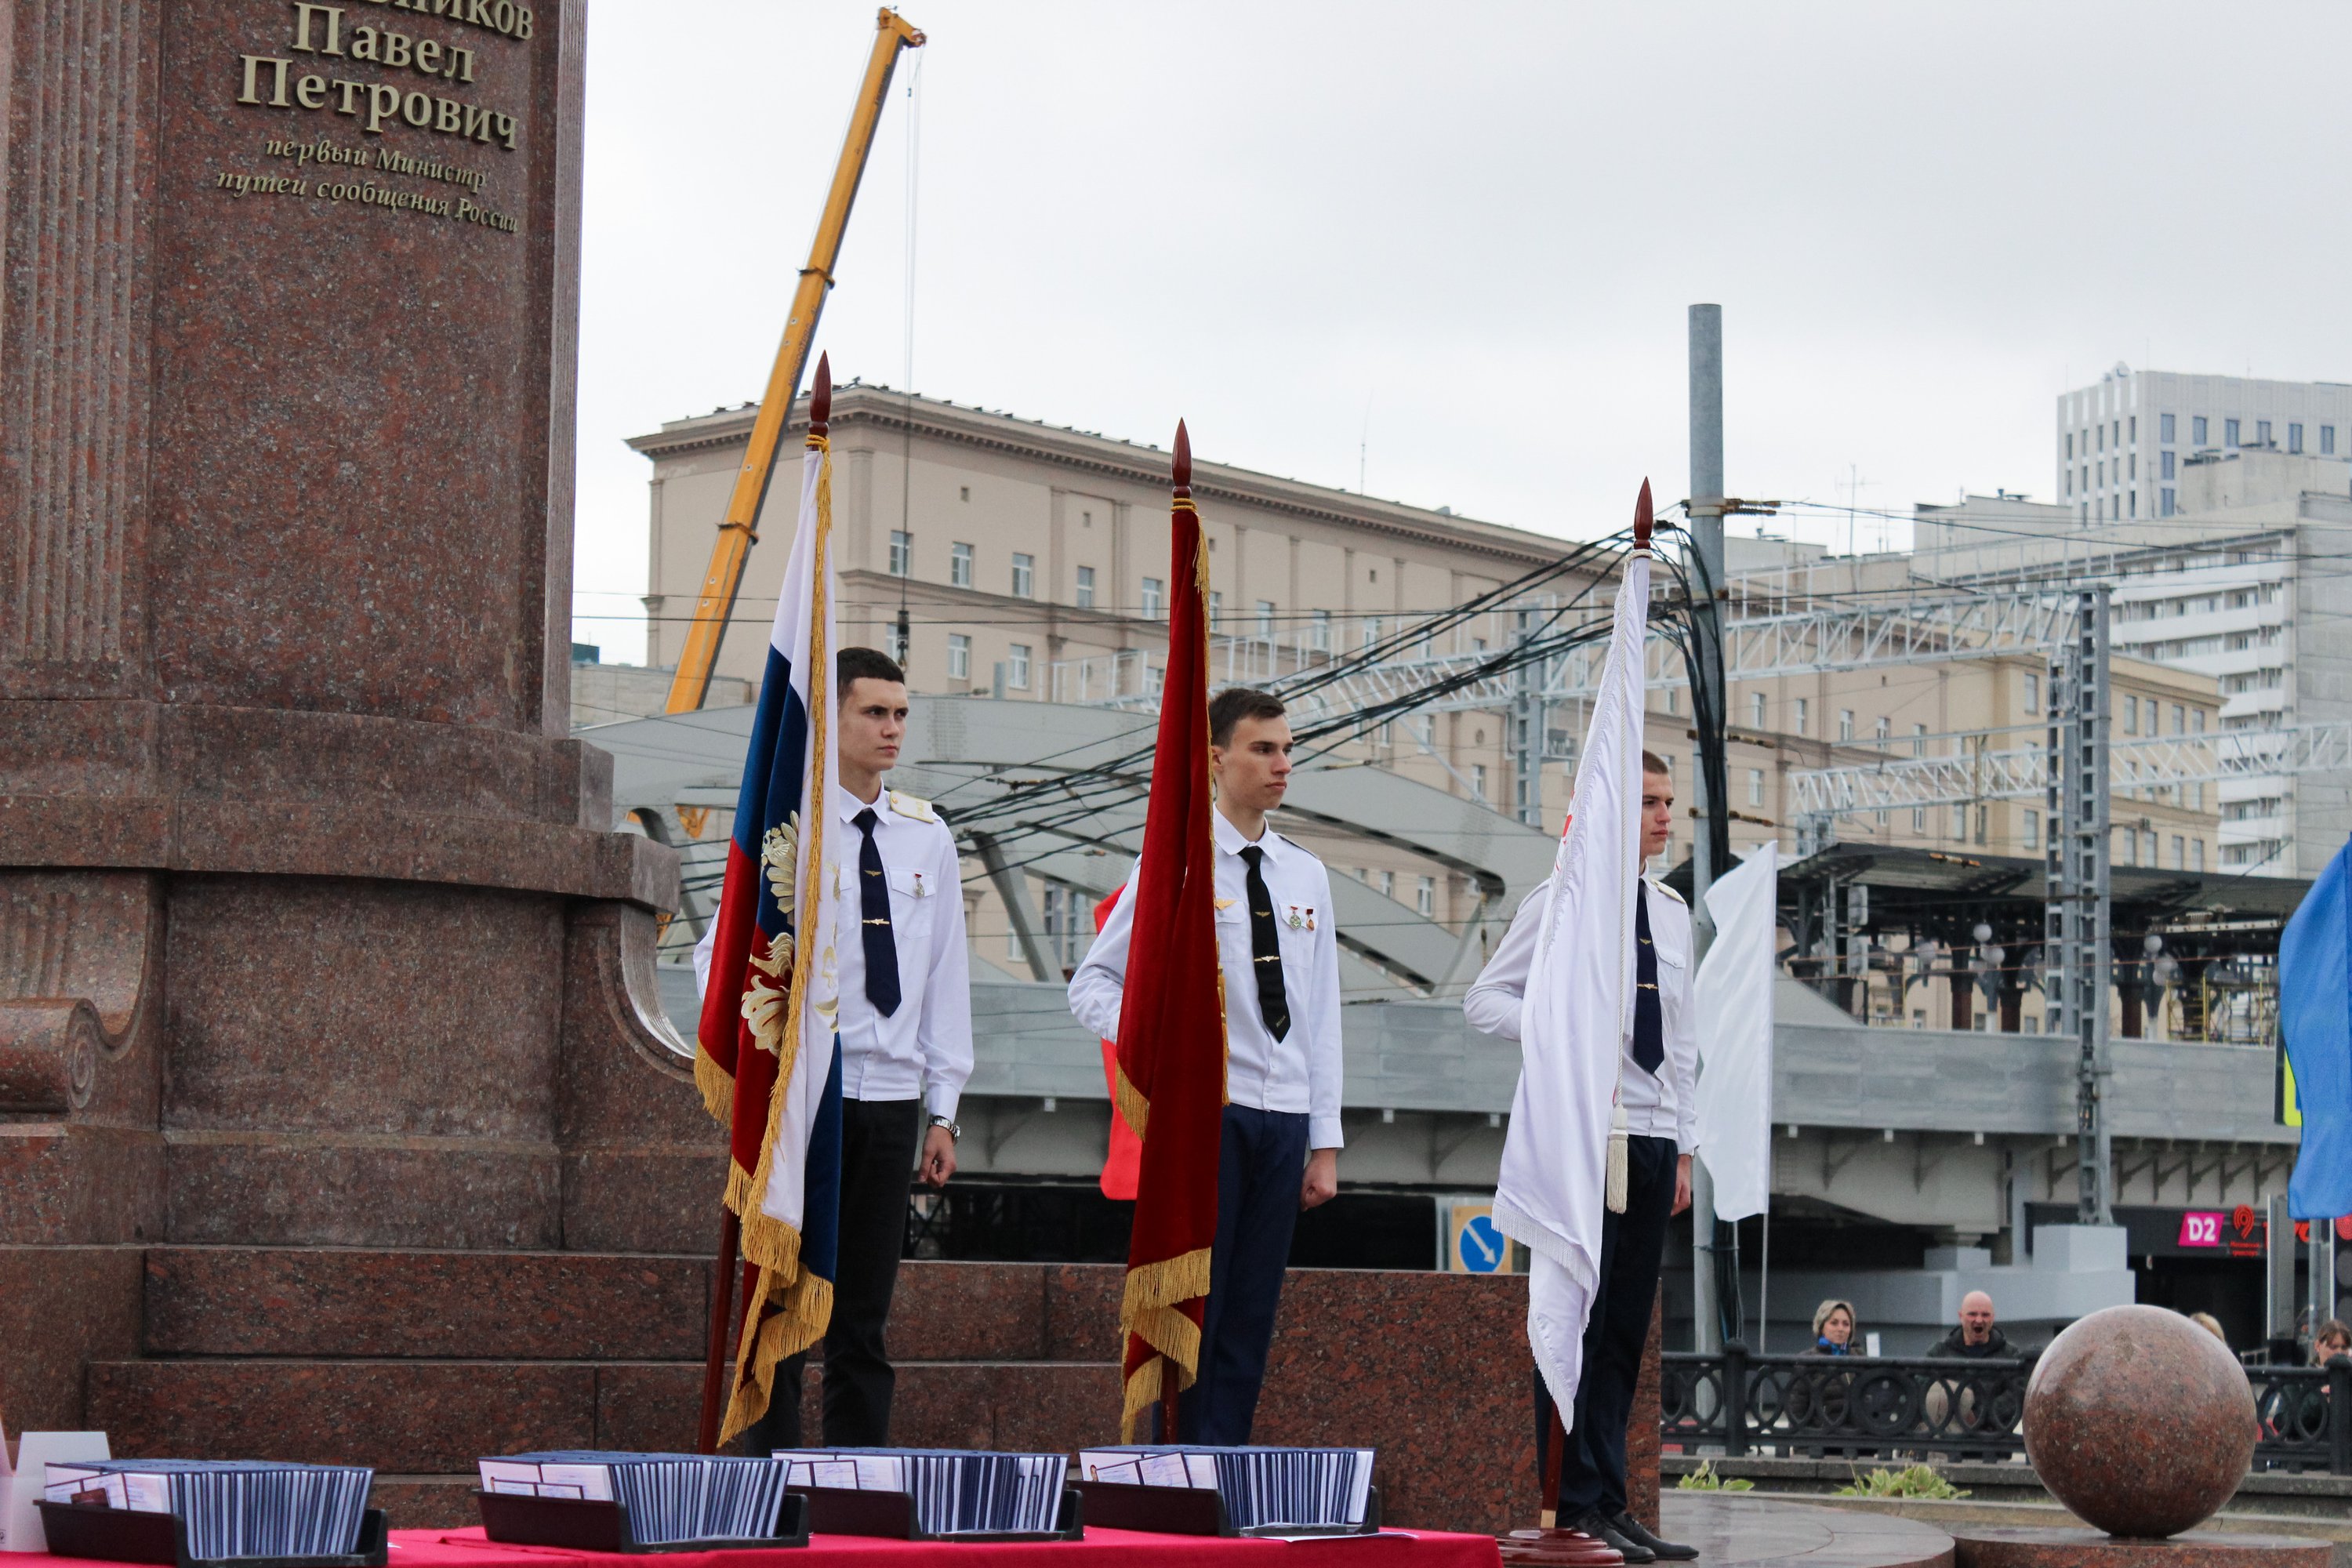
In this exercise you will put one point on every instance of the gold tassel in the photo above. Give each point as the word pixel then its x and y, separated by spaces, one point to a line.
pixel 717 1088
pixel 1617 1151
pixel 1132 1105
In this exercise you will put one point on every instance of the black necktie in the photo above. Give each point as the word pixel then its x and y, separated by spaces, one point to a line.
pixel 874 922
pixel 1266 949
pixel 1649 1021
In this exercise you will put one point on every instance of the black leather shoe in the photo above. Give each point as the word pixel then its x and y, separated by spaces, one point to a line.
pixel 1633 1530
pixel 1602 1528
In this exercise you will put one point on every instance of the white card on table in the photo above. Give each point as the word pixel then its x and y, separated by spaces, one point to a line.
pixel 1165 1470
pixel 20 1521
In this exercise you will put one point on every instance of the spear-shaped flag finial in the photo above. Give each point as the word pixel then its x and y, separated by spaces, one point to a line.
pixel 820 400
pixel 1642 518
pixel 1183 464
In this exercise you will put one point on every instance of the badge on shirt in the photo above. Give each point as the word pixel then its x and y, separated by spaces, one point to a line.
pixel 1301 920
pixel 920 890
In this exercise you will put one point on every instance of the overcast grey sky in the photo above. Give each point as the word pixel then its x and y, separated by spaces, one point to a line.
pixel 1466 236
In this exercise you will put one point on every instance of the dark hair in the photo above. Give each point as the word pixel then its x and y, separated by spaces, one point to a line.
pixel 1236 703
pixel 853 664
pixel 1654 764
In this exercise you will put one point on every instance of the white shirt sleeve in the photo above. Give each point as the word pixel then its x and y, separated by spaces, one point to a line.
pixel 1497 999
pixel 1326 1062
pixel 944 1034
pixel 702 957
pixel 1682 1038
pixel 1100 982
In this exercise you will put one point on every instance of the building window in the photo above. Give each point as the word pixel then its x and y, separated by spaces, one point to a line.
pixel 1085 596
pixel 1919 740
pixel 1845 723
pixel 1919 820
pixel 902 552
pixel 2197 721
pixel 1960 824
pixel 2164 466
pixel 2197 430
pixel 963 492
pixel 1673 699
pixel 959 657
pixel 2229 432
pixel 2033 694
pixel 1216 608
pixel 1479 782
pixel 2164 427
pixel 896 641
pixel 2102 437
pixel 2131 467
pixel 1152 589
pixel 1756 786
pixel 1266 617
pixel 2069 449
pixel 2131 715
pixel 1024 576
pixel 960 566
pixel 2179 853
pixel 2180 719
pixel 1804 707
pixel 1322 631
pixel 2293 444
pixel 1884 727
pixel 1016 667
pixel 2134 504
pixel 2327 440
pixel 2032 823
pixel 2166 495
pixel 2197 856
pixel 2262 432
pixel 1756 710
pixel 1425 897
pixel 1388 884
pixel 2135 429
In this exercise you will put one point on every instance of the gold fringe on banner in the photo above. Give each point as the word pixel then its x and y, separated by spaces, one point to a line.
pixel 798 1322
pixel 718 1087
pixel 1132 1105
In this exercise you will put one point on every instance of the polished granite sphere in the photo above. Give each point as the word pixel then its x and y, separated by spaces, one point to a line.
pixel 2139 1421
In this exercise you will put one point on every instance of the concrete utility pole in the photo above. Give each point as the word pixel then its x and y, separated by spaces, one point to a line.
pixel 2076 927
pixel 1706 516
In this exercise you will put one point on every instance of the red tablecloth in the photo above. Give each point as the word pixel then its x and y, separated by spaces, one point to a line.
pixel 1100 1549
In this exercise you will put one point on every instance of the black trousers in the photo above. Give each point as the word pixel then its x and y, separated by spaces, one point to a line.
pixel 1632 1247
pixel 1261 1163
pixel 878 1141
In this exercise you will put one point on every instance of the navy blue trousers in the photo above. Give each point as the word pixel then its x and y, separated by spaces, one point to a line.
pixel 1260 1165
pixel 1632 1247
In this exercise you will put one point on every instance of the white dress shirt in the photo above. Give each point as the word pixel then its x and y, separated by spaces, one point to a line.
pixel 1657 1105
pixel 1300 1072
pixel 925 1048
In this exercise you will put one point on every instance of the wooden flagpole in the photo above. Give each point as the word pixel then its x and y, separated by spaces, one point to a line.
pixel 722 1313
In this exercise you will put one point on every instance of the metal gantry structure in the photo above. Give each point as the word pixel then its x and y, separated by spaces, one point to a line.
pixel 2077 917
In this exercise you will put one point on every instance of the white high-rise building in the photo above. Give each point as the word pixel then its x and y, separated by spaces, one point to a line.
pixel 2122 443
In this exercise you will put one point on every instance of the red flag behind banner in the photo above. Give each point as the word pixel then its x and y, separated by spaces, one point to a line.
pixel 1171 1020
pixel 1124 1160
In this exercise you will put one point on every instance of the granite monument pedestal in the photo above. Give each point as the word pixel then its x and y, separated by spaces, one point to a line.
pixel 314 930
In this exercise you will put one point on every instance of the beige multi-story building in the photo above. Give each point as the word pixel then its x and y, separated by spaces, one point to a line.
pixel 1032 563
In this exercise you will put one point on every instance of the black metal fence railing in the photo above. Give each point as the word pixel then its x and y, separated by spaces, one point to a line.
pixel 1887 1406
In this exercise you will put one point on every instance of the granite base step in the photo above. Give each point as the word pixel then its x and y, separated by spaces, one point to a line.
pixel 438 1418
pixel 425 1503
pixel 575 1306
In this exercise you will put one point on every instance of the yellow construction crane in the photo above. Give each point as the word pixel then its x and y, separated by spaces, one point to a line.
pixel 738 530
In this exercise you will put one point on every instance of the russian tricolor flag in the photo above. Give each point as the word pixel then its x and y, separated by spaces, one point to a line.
pixel 768 1061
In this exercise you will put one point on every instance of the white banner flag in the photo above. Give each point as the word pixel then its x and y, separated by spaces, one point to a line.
pixel 1578 1009
pixel 1734 992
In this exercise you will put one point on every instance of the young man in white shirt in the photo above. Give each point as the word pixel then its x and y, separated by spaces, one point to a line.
pixel 1657 1077
pixel 1279 1148
pixel 905 1022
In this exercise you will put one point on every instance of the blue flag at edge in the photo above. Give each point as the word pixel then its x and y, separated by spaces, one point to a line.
pixel 2315 1022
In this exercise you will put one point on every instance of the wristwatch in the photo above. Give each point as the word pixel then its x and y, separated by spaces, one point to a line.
pixel 954 1131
